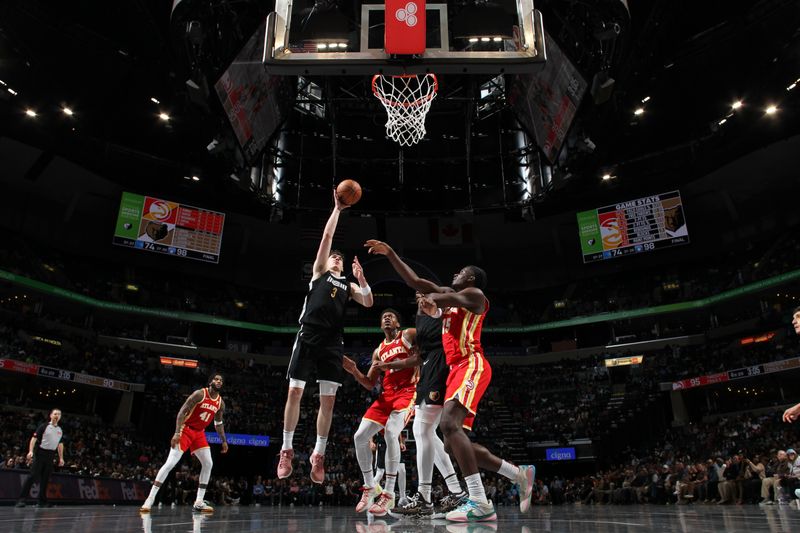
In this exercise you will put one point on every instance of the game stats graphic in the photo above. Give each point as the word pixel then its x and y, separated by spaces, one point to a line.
pixel 633 227
pixel 162 226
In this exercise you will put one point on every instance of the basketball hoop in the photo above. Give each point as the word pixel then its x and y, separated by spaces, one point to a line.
pixel 407 99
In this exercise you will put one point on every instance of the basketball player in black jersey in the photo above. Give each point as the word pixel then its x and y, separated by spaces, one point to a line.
pixel 430 397
pixel 318 345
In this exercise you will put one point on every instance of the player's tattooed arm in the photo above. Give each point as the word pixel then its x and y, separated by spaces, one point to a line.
pixel 193 399
pixel 219 426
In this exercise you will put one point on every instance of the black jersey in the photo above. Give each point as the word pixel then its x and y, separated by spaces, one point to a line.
pixel 429 334
pixel 325 302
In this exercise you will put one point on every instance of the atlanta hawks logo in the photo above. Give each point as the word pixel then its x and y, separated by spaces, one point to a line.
pixel 407 14
pixel 469 384
pixel 433 396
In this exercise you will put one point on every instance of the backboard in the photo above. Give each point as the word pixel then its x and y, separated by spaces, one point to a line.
pixel 326 37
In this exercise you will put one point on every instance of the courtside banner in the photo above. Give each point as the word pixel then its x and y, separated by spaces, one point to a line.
pixel 239 439
pixel 64 488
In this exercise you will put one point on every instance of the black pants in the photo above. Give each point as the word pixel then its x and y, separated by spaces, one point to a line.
pixel 40 471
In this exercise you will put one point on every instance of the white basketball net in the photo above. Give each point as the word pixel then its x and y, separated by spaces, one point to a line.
pixel 407 100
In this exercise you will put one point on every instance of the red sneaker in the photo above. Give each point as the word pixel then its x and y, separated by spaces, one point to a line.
pixel 317 467
pixel 285 464
pixel 383 505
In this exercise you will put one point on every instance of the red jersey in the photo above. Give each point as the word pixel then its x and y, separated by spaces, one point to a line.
pixel 397 350
pixel 203 412
pixel 461 333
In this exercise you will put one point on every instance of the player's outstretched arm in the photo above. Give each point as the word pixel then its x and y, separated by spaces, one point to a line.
pixel 219 426
pixel 324 249
pixel 470 298
pixel 361 293
pixel 791 414
pixel 193 399
pixel 367 381
pixel 406 272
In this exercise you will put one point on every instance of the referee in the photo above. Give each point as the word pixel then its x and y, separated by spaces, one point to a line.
pixel 49 438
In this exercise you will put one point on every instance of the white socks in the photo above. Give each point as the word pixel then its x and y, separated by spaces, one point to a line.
pixel 389 484
pixel 452 484
pixel 288 437
pixel 201 493
pixel 152 498
pixel 475 488
pixel 425 490
pixel 322 443
pixel 509 471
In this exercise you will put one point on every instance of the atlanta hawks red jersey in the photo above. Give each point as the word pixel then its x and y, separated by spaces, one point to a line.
pixel 461 333
pixel 396 350
pixel 203 413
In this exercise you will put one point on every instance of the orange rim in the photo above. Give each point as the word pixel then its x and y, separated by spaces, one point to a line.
pixel 417 102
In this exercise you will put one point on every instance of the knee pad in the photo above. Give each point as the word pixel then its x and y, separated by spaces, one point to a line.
pixel 328 388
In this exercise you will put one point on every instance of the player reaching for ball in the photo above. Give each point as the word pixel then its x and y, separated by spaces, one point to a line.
pixel 197 412
pixel 462 309
pixel 318 347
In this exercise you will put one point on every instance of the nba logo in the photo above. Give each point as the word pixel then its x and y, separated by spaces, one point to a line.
pixel 639 248
pixel 405 27
pixel 139 244
pixel 606 255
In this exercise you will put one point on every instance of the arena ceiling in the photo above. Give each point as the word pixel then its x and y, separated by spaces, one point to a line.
pixel 118 65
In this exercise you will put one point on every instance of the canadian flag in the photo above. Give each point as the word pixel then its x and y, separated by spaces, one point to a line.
pixel 451 231
pixel 405 27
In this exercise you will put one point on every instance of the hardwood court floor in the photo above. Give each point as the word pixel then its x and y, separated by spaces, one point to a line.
pixel 568 518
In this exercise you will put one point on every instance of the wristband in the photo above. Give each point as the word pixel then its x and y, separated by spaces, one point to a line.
pixel 365 290
pixel 438 313
pixel 218 422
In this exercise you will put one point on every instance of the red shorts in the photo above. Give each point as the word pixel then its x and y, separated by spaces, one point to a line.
pixel 193 439
pixel 402 400
pixel 466 383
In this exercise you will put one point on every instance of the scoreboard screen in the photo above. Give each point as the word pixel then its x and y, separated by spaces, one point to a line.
pixel 632 227
pixel 166 227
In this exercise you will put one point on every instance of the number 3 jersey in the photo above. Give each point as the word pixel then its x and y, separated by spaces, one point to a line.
pixel 203 412
pixel 325 301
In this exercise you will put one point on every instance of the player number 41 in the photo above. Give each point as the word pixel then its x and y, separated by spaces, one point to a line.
pixel 205 417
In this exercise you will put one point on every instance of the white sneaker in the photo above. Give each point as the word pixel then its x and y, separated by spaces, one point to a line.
pixel 145 508
pixel 202 507
pixel 527 474
pixel 471 511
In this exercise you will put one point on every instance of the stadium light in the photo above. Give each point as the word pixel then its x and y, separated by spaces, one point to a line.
pixel 645 99
pixel 67 111
pixel 30 112
pixel 154 100
pixel 737 104
pixel 639 111
pixel 771 109
pixel 164 116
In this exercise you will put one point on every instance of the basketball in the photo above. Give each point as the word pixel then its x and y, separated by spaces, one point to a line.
pixel 349 192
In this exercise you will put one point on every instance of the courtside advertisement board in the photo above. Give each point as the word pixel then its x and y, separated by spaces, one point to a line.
pixel 633 227
pixel 167 227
